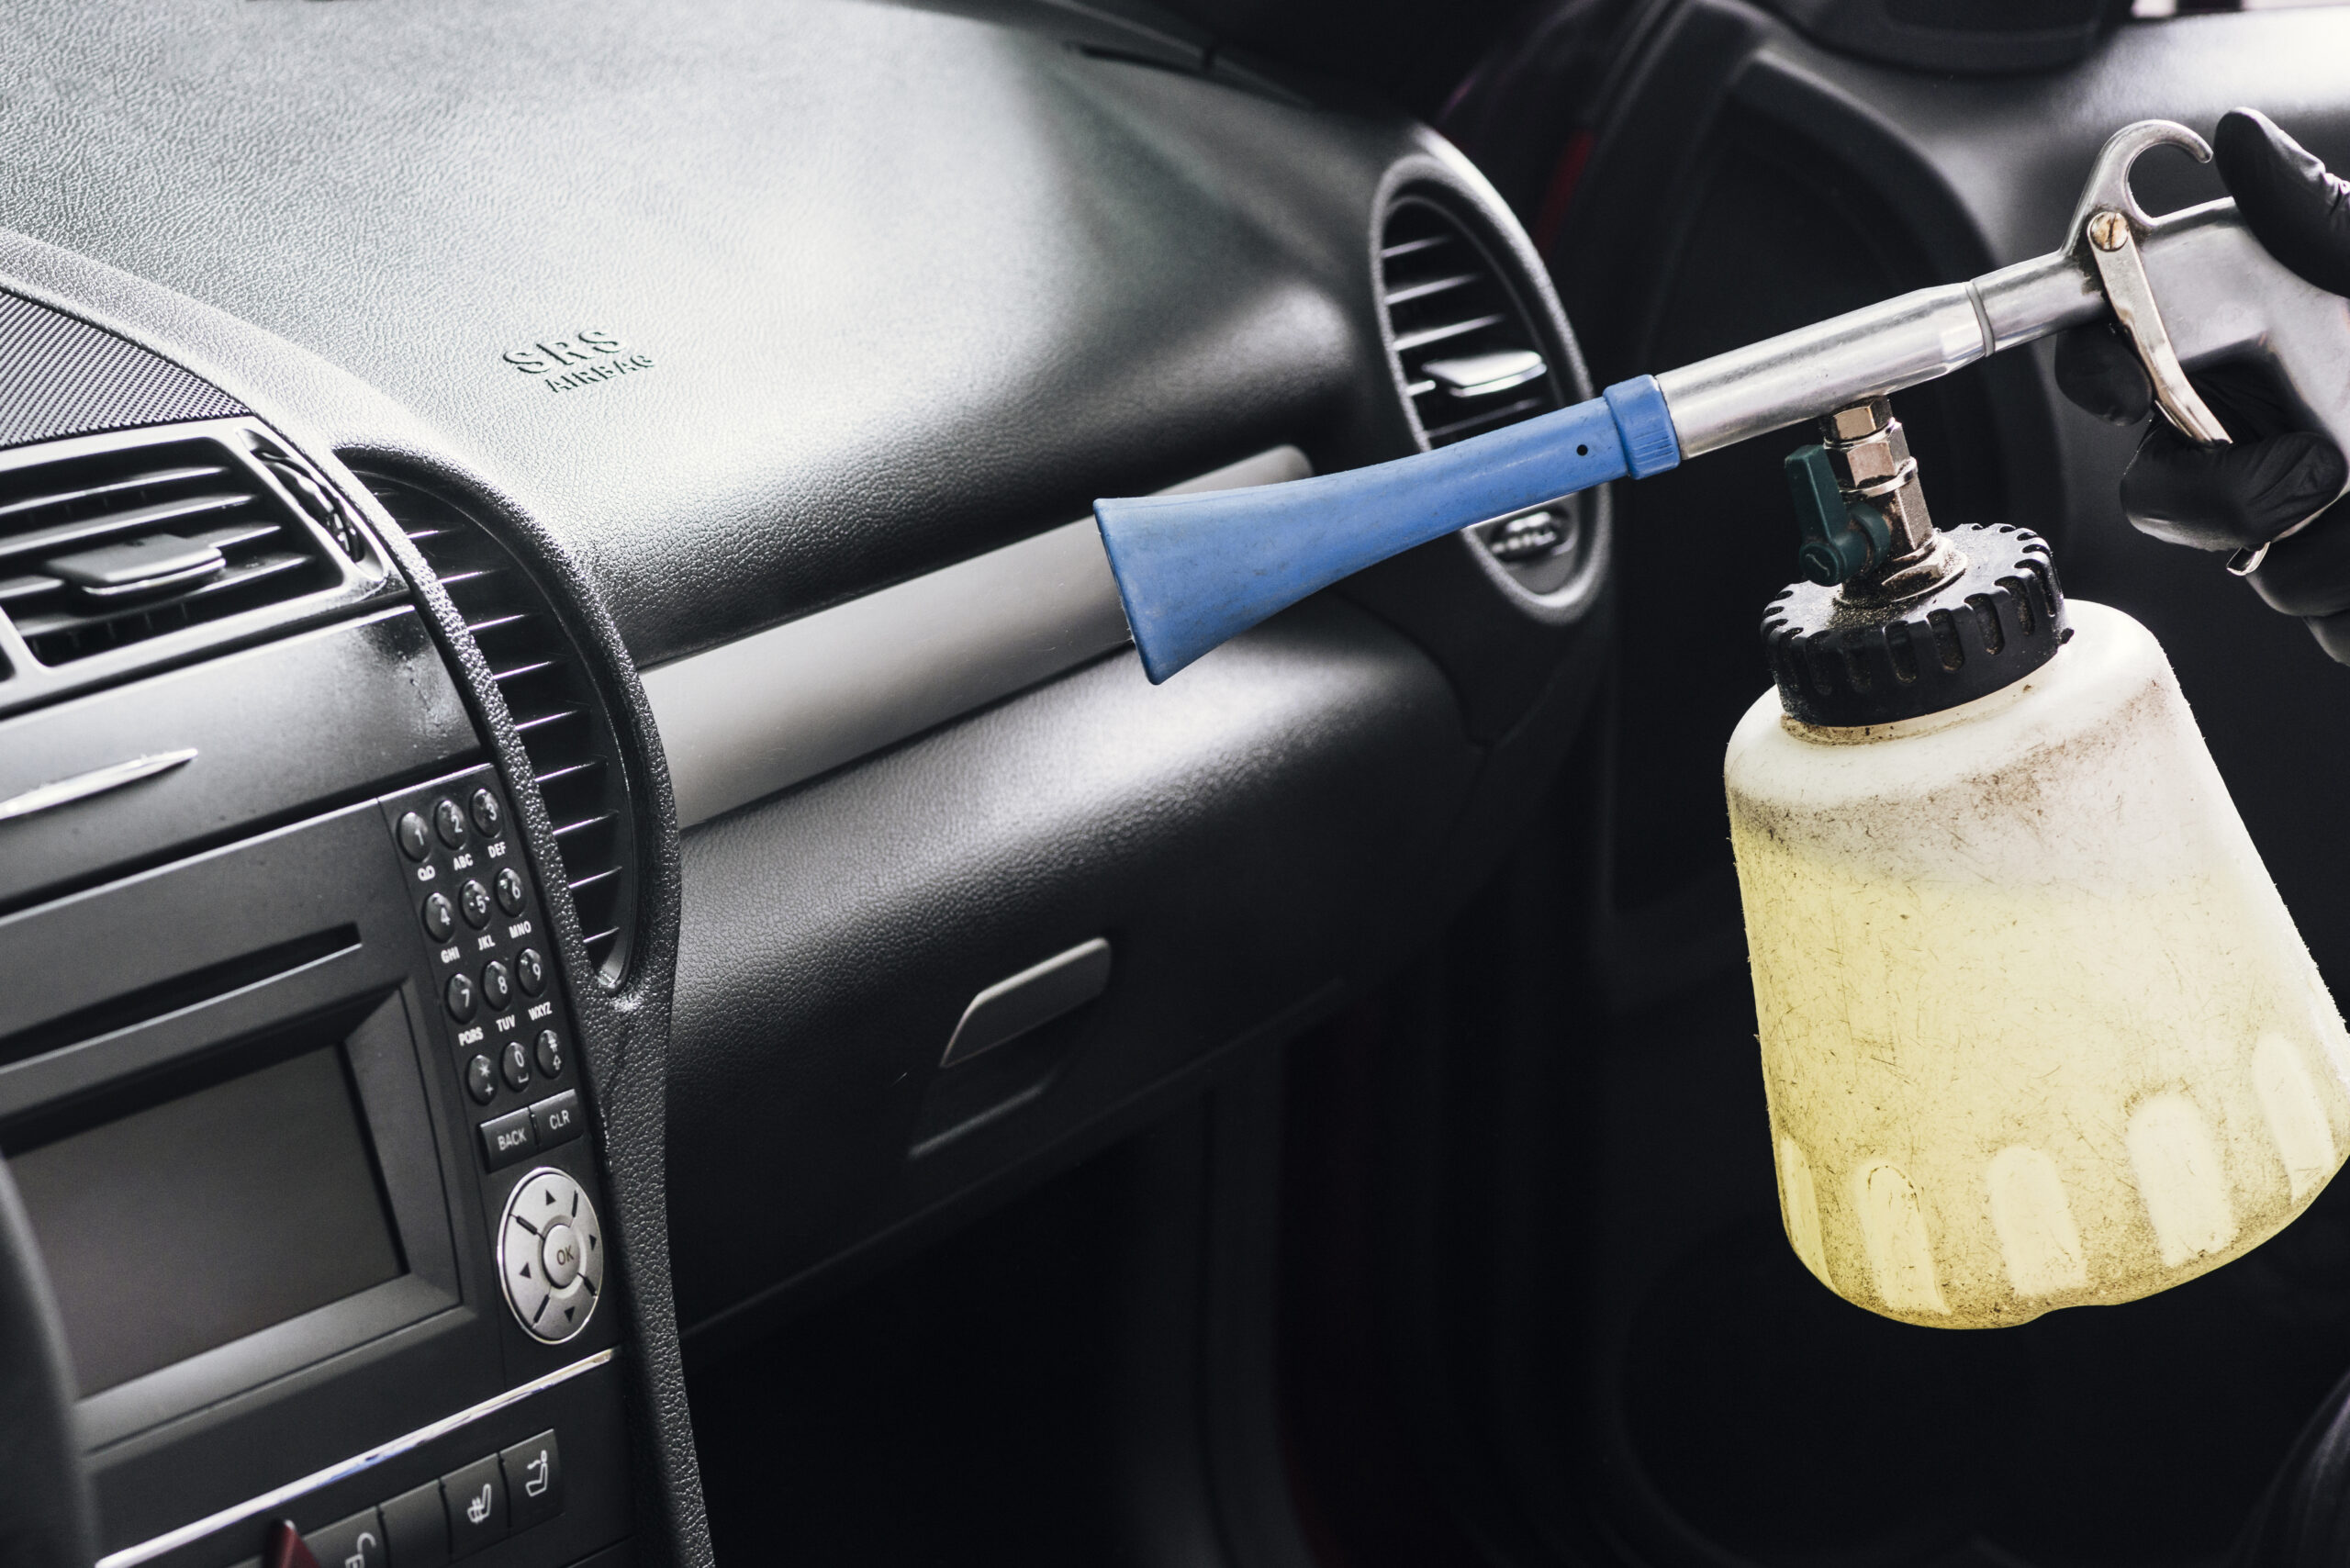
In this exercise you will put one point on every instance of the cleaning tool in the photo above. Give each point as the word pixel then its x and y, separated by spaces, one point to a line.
pixel 2036 1029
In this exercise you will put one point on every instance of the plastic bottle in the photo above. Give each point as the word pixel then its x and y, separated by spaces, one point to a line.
pixel 2036 1029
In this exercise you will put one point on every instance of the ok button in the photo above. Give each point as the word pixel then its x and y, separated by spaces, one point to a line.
pixel 559 1256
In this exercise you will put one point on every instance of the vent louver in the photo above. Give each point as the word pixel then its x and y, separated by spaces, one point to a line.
pixel 108 543
pixel 1467 349
pixel 560 713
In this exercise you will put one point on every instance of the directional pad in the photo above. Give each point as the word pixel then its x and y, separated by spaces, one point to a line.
pixel 551 1255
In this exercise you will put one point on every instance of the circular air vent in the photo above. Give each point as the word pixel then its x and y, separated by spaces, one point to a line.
pixel 1465 346
pixel 1471 359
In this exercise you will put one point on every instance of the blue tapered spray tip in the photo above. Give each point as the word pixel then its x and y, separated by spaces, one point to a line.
pixel 1196 570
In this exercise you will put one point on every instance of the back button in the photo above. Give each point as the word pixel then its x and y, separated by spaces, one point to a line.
pixel 508 1138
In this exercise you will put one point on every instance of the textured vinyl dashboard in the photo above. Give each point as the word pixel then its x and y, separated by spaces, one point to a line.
pixel 766 303
pixel 717 320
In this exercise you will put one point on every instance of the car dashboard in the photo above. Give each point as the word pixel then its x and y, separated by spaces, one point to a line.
pixel 568 753
pixel 572 778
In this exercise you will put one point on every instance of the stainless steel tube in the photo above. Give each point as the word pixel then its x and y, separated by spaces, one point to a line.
pixel 1803 374
pixel 2036 297
pixel 1873 351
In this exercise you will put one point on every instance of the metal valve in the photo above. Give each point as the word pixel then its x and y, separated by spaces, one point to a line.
pixel 1863 511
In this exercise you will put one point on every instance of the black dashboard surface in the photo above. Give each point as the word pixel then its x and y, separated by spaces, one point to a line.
pixel 769 303
pixel 713 318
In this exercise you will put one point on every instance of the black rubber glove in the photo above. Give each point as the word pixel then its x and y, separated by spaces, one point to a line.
pixel 2240 497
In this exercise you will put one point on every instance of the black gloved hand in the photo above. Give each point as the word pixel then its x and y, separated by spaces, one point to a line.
pixel 2241 497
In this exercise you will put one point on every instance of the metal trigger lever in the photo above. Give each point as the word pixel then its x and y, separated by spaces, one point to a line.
pixel 2107 226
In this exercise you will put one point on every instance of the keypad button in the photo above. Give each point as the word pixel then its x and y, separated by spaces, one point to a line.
pixel 415 1528
pixel 474 899
pixel 559 1248
pixel 508 1138
pixel 410 832
pixel 548 1053
pixel 510 890
pixel 449 823
pixel 354 1543
pixel 530 972
pixel 515 1063
pixel 477 1505
pixel 489 815
pixel 481 1080
pixel 556 1118
pixel 533 1480
pixel 462 999
pixel 496 983
pixel 440 917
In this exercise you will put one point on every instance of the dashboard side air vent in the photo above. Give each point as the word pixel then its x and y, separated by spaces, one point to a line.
pixel 558 708
pixel 1465 344
pixel 1470 358
pixel 111 541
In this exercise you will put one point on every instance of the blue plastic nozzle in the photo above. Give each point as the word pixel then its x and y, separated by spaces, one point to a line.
pixel 1196 570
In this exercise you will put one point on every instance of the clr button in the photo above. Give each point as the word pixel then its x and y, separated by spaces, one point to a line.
pixel 556 1117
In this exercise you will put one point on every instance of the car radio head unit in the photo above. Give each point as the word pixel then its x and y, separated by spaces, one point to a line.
pixel 310 1152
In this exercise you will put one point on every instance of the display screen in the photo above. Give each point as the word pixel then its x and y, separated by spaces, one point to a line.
pixel 221 1212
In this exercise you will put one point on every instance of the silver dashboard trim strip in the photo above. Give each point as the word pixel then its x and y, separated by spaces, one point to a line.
pixel 97 782
pixel 761 713
pixel 146 1551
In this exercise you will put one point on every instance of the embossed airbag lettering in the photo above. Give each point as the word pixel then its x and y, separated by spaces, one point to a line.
pixel 575 362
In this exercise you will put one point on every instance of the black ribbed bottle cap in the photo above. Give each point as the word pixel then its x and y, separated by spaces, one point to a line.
pixel 1846 665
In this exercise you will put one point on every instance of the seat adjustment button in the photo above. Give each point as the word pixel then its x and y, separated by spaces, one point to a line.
pixel 476 1499
pixel 533 1480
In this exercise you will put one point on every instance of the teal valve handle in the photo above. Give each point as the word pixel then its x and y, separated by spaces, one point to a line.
pixel 1196 570
pixel 1841 539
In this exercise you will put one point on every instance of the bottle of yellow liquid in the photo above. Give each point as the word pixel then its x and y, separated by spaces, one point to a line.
pixel 2037 1030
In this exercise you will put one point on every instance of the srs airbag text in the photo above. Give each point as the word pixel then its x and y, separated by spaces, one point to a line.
pixel 584 359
